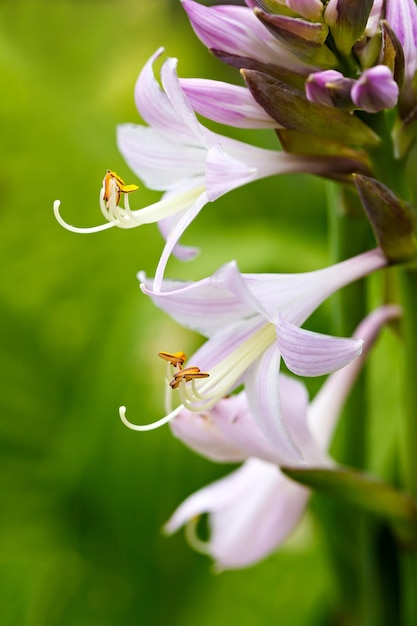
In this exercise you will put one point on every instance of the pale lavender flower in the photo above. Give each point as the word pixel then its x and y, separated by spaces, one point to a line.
pixel 253 510
pixel 375 90
pixel 402 17
pixel 251 321
pixel 236 30
pixel 192 164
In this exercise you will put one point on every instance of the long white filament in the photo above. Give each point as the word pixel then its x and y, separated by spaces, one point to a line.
pixel 200 395
pixel 124 217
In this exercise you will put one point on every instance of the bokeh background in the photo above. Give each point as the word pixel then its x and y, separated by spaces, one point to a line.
pixel 82 498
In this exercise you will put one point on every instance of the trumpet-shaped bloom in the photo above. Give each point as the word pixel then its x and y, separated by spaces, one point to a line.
pixel 254 509
pixel 251 321
pixel 236 30
pixel 192 164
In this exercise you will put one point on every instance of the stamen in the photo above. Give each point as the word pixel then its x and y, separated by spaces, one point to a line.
pixel 186 375
pixel 114 186
pixel 175 358
pixel 153 425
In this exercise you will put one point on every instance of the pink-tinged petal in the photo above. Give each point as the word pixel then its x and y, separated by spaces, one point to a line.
pixel 296 296
pixel 307 353
pixel 184 253
pixel 309 9
pixel 178 99
pixel 325 408
pixel 402 17
pixel 226 433
pixel 154 105
pixel 375 90
pixel 160 162
pixel 225 103
pixel 224 173
pixel 223 344
pixel 374 18
pixel 236 30
pixel 294 407
pixel 251 512
pixel 174 236
pixel 201 306
pixel 263 394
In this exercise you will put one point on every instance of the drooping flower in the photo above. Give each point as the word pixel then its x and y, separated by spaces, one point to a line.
pixel 254 509
pixel 251 321
pixel 235 30
pixel 192 164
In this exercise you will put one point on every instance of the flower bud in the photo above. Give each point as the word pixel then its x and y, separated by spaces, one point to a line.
pixel 330 88
pixel 375 90
pixel 347 20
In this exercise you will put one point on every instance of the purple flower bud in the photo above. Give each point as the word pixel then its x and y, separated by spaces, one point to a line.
pixel 330 88
pixel 375 90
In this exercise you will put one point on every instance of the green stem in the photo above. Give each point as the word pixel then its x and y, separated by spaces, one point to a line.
pixel 353 550
pixel 408 436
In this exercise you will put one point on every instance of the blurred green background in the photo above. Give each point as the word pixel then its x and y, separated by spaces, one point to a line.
pixel 82 498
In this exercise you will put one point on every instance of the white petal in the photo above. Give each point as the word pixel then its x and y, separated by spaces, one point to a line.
pixel 263 394
pixel 252 511
pixel 201 306
pixel 158 160
pixel 307 353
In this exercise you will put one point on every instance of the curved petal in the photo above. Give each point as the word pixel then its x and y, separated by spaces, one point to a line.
pixel 154 105
pixel 225 103
pixel 236 30
pixel 172 239
pixel 159 161
pixel 201 306
pixel 296 296
pixel 226 433
pixel 179 100
pixel 224 173
pixel 184 253
pixel 251 512
pixel 263 394
pixel 307 353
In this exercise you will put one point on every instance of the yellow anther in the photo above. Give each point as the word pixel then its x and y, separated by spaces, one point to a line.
pixel 112 183
pixel 187 374
pixel 175 358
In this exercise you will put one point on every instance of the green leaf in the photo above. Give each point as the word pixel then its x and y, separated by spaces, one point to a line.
pixel 365 492
pixel 393 221
pixel 291 109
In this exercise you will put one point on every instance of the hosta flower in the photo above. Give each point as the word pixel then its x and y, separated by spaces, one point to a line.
pixel 192 164
pixel 254 509
pixel 236 30
pixel 251 321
